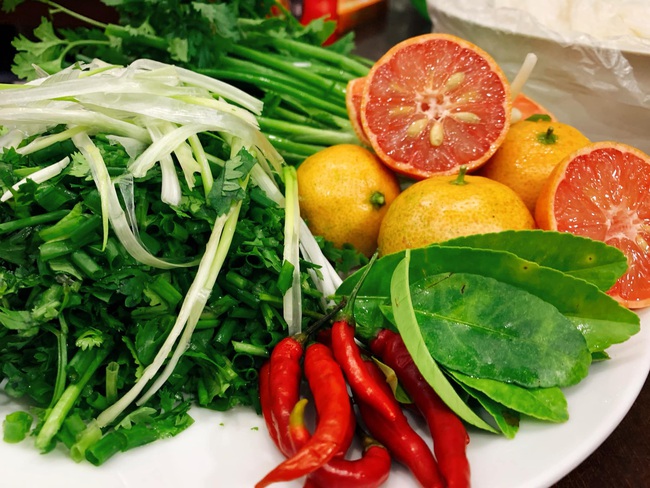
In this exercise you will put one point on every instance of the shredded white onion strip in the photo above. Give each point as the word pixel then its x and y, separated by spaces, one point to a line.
pixel 202 295
pixel 224 89
pixel 291 301
pixel 520 80
pixel 47 116
pixel 45 141
pixel 113 209
pixel 194 301
pixel 170 192
pixel 40 176
pixel 163 146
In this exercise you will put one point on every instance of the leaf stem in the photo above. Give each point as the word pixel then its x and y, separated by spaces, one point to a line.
pixel 60 8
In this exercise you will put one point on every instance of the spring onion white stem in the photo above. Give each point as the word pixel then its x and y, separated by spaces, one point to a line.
pixel 112 209
pixel 43 117
pixel 292 302
pixel 202 294
pixel 170 192
pixel 202 160
pixel 523 74
pixel 100 176
pixel 229 92
pixel 162 147
pixel 39 176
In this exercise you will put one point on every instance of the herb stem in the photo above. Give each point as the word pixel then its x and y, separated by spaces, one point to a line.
pixel 112 370
pixel 273 86
pixel 86 264
pixel 76 15
pixel 58 413
pixel 14 225
pixel 297 148
pixel 301 133
pixel 309 78
pixel 246 348
pixel 316 52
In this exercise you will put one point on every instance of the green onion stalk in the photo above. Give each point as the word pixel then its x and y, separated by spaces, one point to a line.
pixel 257 46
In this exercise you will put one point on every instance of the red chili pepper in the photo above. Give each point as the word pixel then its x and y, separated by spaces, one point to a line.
pixel 450 437
pixel 265 402
pixel 348 355
pixel 400 439
pixel 362 384
pixel 285 374
pixel 369 471
pixel 330 394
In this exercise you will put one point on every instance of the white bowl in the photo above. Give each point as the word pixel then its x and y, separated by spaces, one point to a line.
pixel 600 85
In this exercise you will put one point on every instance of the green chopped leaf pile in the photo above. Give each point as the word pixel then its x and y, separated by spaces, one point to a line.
pixel 146 259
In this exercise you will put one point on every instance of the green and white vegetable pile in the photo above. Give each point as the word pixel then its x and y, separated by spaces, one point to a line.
pixel 150 250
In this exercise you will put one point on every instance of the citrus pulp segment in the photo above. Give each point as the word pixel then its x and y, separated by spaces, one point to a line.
pixel 603 192
pixel 434 103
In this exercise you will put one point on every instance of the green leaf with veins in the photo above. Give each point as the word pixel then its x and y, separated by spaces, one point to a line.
pixel 227 188
pixel 221 18
pixel 591 260
pixel 542 403
pixel 47 52
pixel 599 317
pixel 412 335
pixel 488 329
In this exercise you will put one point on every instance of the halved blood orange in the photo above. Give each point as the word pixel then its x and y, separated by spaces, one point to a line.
pixel 353 95
pixel 523 107
pixel 433 103
pixel 602 191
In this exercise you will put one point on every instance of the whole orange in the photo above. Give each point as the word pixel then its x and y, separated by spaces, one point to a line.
pixel 345 192
pixel 443 207
pixel 529 153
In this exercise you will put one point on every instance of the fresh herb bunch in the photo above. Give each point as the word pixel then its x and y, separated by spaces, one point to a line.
pixel 148 251
pixel 257 45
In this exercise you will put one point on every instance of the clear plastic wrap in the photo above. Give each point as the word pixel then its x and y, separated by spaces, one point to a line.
pixel 593 67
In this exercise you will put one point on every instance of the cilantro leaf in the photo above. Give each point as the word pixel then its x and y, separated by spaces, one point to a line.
pixel 228 187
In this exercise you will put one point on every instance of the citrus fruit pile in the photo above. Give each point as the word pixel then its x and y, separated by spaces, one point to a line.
pixel 436 107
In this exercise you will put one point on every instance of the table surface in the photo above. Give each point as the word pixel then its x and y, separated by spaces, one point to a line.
pixel 623 460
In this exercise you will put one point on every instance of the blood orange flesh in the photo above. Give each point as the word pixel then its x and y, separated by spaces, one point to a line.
pixel 603 192
pixel 523 107
pixel 434 103
pixel 353 96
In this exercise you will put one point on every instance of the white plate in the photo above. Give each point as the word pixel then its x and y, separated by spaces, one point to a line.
pixel 233 449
